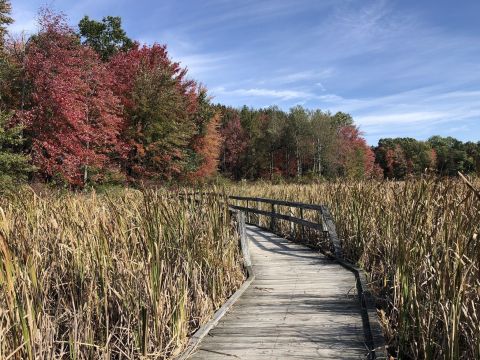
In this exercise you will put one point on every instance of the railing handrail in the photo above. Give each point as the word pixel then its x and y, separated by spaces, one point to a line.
pixel 280 202
pixel 373 332
pixel 372 329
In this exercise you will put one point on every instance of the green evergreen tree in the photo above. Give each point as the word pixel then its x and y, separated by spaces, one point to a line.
pixel 14 164
pixel 106 37
pixel 5 19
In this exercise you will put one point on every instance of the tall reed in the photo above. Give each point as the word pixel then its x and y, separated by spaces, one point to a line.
pixel 419 242
pixel 125 275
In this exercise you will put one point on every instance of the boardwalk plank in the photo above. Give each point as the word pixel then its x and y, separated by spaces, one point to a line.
pixel 301 305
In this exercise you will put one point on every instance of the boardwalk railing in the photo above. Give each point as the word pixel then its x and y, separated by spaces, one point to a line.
pixel 324 227
pixel 321 235
pixel 314 226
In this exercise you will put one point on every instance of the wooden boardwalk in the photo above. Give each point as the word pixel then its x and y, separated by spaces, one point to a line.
pixel 301 305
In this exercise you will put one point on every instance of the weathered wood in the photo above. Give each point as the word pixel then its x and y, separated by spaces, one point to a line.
pixel 303 226
pixel 277 215
pixel 301 305
pixel 272 218
pixel 373 335
pixel 279 202
pixel 332 231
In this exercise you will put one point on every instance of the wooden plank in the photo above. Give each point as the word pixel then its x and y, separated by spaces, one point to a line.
pixel 300 305
pixel 277 215
pixel 279 202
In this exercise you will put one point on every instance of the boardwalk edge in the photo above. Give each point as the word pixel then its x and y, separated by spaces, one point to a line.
pixel 372 328
pixel 203 331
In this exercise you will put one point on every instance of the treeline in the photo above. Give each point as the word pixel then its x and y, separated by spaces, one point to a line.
pixel 269 143
pixel 92 106
pixel 402 157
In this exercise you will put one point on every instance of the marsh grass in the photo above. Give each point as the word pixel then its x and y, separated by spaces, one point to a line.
pixel 418 240
pixel 123 275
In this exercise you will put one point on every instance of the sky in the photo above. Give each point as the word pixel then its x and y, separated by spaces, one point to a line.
pixel 401 68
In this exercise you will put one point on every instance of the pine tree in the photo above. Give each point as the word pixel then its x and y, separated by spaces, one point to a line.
pixel 106 37
pixel 5 19
pixel 14 165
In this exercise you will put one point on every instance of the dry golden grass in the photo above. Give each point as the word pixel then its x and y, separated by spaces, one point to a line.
pixel 419 242
pixel 126 275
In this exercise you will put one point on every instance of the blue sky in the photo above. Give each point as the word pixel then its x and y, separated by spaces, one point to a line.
pixel 400 67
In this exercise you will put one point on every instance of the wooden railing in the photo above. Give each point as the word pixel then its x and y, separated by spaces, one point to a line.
pixel 324 225
pixel 238 218
pixel 322 235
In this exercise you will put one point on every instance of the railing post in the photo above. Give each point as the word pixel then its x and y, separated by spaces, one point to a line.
pixel 332 231
pixel 247 216
pixel 258 215
pixel 272 218
pixel 242 231
pixel 292 225
pixel 303 227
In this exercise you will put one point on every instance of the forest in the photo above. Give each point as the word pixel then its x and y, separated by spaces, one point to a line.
pixel 88 105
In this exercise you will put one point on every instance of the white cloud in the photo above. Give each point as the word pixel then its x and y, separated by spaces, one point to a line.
pixel 271 93
pixel 406 118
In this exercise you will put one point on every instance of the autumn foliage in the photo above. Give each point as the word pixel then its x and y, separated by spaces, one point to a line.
pixel 74 118
pixel 208 148
pixel 159 108
pixel 97 107
pixel 135 115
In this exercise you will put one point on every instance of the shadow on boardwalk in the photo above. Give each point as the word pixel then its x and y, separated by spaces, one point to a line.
pixel 301 305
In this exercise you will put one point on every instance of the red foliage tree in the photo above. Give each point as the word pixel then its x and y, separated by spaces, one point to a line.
pixel 160 106
pixel 396 162
pixel 356 159
pixel 74 117
pixel 208 148
pixel 234 145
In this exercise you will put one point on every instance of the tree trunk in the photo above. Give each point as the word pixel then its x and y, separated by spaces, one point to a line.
pixel 271 164
pixel 299 162
pixel 287 160
pixel 319 157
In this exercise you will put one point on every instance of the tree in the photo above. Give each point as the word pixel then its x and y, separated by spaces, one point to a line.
pixel 451 155
pixel 473 157
pixel 14 164
pixel 299 127
pixel 160 109
pixel 274 139
pixel 325 133
pixel 206 143
pixel 235 143
pixel 73 118
pixel 207 147
pixel 399 157
pixel 356 159
pixel 5 19
pixel 106 37
pixel 341 119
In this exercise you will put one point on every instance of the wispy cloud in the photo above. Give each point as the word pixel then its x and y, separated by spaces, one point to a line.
pixel 282 95
pixel 398 69
pixel 311 76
